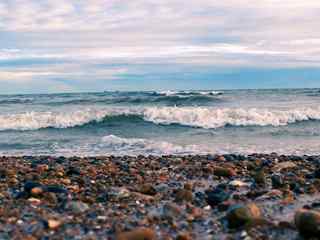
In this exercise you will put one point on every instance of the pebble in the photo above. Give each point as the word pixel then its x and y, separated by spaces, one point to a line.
pixel 56 189
pixel 277 181
pixel 29 185
pixel 171 210
pixel 284 165
pixel 34 201
pixel 260 178
pixel 308 222
pixel 182 195
pixel 77 206
pixel 241 215
pixel 183 236
pixel 147 189
pixel 36 191
pixel 224 172
pixel 217 196
pixel 54 224
pixel 317 173
pixel 137 234
pixel 238 183
pixel 42 167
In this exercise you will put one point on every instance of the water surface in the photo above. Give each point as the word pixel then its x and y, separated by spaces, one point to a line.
pixel 286 121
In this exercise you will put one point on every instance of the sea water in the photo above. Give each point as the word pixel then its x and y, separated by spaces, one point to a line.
pixel 286 121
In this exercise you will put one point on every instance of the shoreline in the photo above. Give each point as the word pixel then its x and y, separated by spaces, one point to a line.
pixel 160 197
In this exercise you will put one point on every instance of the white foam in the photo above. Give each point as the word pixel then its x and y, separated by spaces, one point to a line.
pixel 220 117
pixel 38 120
pixel 118 145
pixel 204 117
pixel 210 93
pixel 168 93
pixel 184 93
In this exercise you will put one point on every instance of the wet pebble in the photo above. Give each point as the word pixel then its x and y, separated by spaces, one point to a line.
pixel 308 222
pixel 137 234
pixel 77 206
pixel 241 215
pixel 183 195
pixel 147 189
pixel 217 195
pixel 224 172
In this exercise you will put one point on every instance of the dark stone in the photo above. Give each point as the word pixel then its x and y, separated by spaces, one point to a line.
pixel 266 162
pixel 308 222
pixel 200 199
pixel 60 160
pixel 217 196
pixel 260 178
pixel 147 189
pixel 29 185
pixel 56 189
pixel 295 187
pixel 229 157
pixel 73 171
pixel 317 173
pixel 210 157
pixel 277 181
pixel 3 173
pixel 254 193
pixel 103 197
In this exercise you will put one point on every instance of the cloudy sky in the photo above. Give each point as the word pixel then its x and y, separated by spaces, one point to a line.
pixel 94 45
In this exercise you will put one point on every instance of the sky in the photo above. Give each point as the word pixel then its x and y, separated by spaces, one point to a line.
pixel 98 45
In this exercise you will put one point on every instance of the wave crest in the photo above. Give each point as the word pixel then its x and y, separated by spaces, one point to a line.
pixel 38 120
pixel 220 117
pixel 204 117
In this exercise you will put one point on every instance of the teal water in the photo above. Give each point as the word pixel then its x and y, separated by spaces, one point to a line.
pixel 286 121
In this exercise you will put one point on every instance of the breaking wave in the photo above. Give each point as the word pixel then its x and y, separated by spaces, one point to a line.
pixel 220 117
pixel 203 117
pixel 134 146
pixel 38 120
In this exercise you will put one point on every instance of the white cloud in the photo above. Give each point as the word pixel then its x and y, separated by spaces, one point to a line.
pixel 65 71
pixel 218 54
pixel 80 34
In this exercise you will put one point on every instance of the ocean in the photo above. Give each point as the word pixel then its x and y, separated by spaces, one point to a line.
pixel 286 121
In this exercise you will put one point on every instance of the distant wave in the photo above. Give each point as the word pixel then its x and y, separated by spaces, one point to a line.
pixel 143 146
pixel 190 100
pixel 188 93
pixel 16 101
pixel 314 93
pixel 203 117
pixel 81 101
pixel 165 99
pixel 170 99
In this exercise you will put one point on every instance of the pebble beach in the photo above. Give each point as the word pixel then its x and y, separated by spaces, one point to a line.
pixel 258 196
